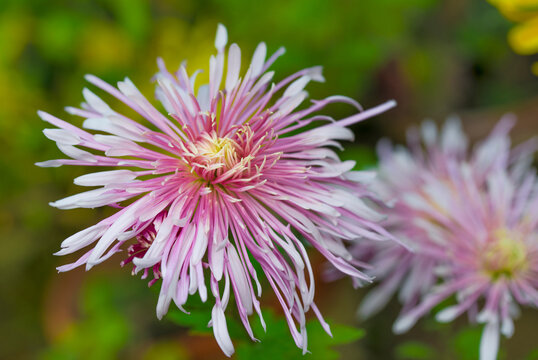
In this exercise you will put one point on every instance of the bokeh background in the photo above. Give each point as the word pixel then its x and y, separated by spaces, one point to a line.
pixel 434 57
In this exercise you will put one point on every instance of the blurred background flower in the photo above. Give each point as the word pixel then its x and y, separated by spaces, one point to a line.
pixel 470 218
pixel 435 57
pixel 523 37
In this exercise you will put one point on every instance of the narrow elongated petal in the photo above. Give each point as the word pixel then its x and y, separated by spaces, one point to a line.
pixel 105 178
pixel 221 331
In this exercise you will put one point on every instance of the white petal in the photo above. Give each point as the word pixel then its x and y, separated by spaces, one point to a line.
pixel 166 92
pixel 192 79
pixel 222 37
pixel 62 136
pixel 81 239
pixel 76 153
pixel 171 284
pixel 193 283
pixel 234 65
pixel 118 146
pixel 152 211
pixel 416 202
pixel 241 283
pixel 297 86
pixel 115 126
pixel 448 314
pixel 216 69
pixel 91 199
pixel 374 301
pixel 49 163
pixel 263 81
pixel 105 178
pixel 185 97
pixel 290 104
pixel 324 133
pixel 452 138
pixel 429 132
pixel 489 344
pixel 96 103
pixel 153 257
pixel 202 289
pixel 203 97
pixel 404 323
pixel 160 95
pixel 507 328
pixel 258 59
pixel 316 74
pixel 200 246
pixel 353 102
pixel 363 177
pixel 123 222
pixel 128 88
pixel 154 253
pixel 221 331
pixel 359 207
pixel 217 257
pixel 486 316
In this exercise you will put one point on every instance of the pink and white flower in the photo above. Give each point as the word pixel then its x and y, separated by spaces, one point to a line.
pixel 471 219
pixel 230 177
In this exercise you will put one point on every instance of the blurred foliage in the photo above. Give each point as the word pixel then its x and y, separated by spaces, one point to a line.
pixel 467 342
pixel 433 56
pixel 105 329
pixel 415 350
pixel 533 355
pixel 198 317
pixel 364 156
pixel 276 342
pixel 346 37
pixel 100 333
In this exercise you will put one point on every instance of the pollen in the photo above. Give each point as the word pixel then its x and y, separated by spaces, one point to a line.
pixel 212 156
pixel 215 150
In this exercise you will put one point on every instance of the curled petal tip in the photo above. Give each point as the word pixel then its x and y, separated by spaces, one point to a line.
pixel 42 114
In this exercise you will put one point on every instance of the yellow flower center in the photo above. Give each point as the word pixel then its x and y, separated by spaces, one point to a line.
pixel 213 158
pixel 215 151
pixel 506 256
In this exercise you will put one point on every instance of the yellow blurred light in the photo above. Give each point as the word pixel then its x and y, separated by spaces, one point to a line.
pixel 535 68
pixel 523 38
pixel 517 10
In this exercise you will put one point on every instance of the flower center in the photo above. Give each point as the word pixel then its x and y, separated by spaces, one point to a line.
pixel 217 152
pixel 214 158
pixel 506 255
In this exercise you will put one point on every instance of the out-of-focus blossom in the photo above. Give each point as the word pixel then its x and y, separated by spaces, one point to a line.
pixel 231 177
pixel 523 37
pixel 471 219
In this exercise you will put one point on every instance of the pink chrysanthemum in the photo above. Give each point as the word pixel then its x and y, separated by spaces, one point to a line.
pixel 472 223
pixel 225 180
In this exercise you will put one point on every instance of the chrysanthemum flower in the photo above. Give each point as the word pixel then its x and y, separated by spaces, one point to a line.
pixel 226 180
pixel 472 223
